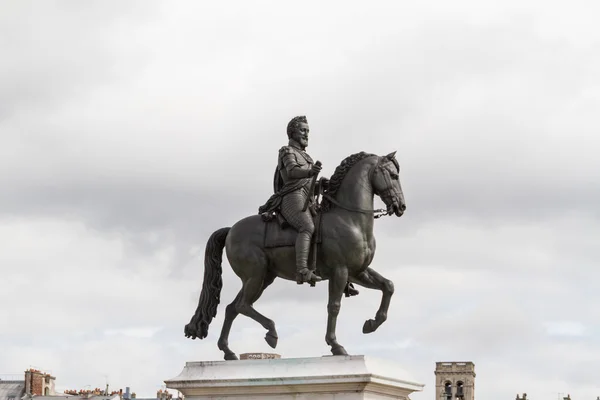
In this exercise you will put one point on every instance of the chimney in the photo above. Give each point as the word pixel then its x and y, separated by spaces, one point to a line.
pixel 133 395
pixel 34 382
pixel 28 382
pixel 127 395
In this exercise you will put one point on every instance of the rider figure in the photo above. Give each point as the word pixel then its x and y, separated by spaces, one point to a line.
pixel 297 169
pixel 294 175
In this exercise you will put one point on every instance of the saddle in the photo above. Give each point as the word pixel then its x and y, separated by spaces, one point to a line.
pixel 278 233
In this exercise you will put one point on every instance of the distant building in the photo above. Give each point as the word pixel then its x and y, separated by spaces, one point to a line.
pixel 564 398
pixel 96 394
pixel 160 395
pixel 455 381
pixel 72 397
pixel 34 383
pixel 38 383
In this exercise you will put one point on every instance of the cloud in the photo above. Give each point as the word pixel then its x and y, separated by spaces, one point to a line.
pixel 565 328
pixel 133 332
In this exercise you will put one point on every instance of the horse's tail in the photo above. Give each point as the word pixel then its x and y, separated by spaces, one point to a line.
pixel 211 287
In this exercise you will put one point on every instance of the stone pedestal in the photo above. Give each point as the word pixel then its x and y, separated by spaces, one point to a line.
pixel 322 378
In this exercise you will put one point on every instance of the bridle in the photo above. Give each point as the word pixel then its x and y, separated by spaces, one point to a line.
pixel 377 213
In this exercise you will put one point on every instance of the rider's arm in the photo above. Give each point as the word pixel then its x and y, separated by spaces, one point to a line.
pixel 293 168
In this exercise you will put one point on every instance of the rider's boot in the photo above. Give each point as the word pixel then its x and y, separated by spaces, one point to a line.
pixel 303 274
pixel 349 290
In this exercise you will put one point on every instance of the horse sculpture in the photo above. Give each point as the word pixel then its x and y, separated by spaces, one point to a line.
pixel 345 251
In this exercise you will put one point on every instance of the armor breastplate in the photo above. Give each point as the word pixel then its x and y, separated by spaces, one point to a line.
pixel 302 160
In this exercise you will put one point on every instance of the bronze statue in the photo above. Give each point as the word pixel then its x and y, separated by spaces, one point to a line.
pixel 262 247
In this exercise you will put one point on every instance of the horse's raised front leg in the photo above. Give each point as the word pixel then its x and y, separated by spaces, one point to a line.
pixel 337 283
pixel 372 280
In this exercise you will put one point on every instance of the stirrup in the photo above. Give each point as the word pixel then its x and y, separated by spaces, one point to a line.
pixel 306 275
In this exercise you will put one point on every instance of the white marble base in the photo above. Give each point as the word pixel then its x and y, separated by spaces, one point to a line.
pixel 322 378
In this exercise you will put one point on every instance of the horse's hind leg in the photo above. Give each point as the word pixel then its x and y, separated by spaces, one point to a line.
pixel 372 280
pixel 251 290
pixel 231 313
pixel 223 342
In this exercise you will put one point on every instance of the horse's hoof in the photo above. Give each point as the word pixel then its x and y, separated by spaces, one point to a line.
pixel 231 356
pixel 189 331
pixel 339 351
pixel 271 339
pixel 369 326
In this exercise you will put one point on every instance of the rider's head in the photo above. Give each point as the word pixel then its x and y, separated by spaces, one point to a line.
pixel 297 130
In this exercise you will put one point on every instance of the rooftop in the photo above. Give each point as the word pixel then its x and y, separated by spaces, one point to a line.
pixel 11 389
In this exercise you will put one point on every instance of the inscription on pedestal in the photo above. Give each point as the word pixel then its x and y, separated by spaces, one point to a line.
pixel 259 356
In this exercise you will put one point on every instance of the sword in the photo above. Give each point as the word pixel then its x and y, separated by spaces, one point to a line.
pixel 312 188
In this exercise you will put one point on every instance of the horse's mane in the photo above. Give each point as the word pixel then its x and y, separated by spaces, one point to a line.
pixel 338 176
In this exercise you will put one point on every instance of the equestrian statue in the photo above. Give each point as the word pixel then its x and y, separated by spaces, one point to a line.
pixel 295 238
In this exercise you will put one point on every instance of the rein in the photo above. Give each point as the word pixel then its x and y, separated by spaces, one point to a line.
pixel 378 213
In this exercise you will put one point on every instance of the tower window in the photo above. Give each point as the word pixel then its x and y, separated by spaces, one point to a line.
pixel 448 390
pixel 460 393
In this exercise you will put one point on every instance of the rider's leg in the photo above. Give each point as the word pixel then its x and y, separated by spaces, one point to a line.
pixel 302 221
pixel 303 274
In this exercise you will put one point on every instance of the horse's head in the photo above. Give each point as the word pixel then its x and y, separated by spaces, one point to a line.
pixel 385 180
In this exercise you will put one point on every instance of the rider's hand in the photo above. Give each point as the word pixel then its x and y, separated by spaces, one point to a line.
pixel 315 169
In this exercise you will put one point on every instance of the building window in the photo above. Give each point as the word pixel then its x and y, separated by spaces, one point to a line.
pixel 448 390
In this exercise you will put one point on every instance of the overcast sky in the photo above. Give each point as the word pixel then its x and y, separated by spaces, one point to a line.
pixel 130 131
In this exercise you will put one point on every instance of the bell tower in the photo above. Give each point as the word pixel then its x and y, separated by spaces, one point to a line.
pixel 455 381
